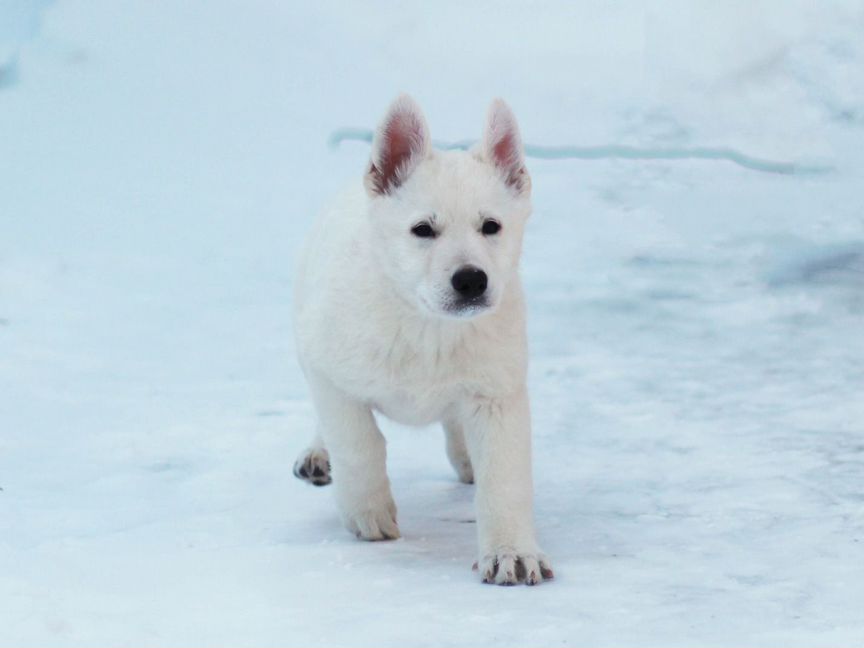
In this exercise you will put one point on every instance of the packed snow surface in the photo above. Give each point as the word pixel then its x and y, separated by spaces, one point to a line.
pixel 696 328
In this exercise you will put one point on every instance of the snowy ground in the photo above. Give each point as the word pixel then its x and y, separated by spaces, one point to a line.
pixel 696 328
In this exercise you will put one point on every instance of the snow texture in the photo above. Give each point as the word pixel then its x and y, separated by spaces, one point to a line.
pixel 696 327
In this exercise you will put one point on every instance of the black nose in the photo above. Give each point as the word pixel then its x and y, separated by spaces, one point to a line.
pixel 470 282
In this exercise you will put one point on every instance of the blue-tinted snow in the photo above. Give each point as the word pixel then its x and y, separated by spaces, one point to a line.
pixel 696 328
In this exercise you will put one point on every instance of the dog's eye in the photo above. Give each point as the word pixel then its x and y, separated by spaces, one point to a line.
pixel 423 230
pixel 491 227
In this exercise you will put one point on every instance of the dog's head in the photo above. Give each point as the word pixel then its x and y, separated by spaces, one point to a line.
pixel 448 224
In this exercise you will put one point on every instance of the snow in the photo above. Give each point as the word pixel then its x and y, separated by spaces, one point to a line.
pixel 697 356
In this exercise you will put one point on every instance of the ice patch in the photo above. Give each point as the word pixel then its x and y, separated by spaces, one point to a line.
pixel 20 21
pixel 620 152
pixel 840 264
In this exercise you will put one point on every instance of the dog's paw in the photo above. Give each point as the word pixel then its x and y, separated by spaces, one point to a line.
pixel 506 566
pixel 313 465
pixel 376 522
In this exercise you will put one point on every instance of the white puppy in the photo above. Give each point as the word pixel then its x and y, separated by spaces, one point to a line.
pixel 408 302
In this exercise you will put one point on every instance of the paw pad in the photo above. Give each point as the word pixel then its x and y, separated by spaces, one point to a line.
pixel 511 568
pixel 313 466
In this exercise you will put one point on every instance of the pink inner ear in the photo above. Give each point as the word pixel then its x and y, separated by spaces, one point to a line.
pixel 401 139
pixel 505 154
pixel 504 151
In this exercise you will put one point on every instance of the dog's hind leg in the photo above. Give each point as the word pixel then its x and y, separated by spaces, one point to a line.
pixel 313 464
pixel 457 452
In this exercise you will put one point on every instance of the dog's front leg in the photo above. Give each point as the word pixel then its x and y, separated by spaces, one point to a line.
pixel 358 458
pixel 498 434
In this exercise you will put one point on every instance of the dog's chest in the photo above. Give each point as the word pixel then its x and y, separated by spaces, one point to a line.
pixel 413 371
pixel 414 408
pixel 416 384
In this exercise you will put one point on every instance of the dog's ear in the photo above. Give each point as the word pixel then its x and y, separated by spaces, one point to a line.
pixel 502 146
pixel 400 143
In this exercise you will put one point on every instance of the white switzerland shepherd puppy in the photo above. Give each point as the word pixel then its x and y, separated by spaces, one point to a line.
pixel 408 302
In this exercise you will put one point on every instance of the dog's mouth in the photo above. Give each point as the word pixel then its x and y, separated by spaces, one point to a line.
pixel 457 308
pixel 467 307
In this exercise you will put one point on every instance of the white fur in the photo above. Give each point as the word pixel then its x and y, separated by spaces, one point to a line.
pixel 376 329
